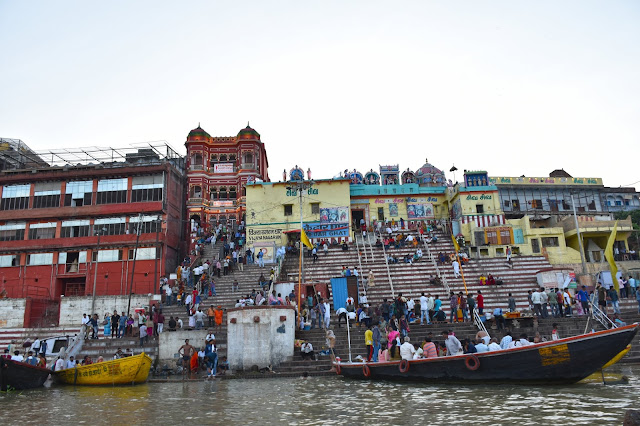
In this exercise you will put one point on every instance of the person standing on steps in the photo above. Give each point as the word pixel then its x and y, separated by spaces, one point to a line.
pixel 480 299
pixel 375 333
pixel 453 304
pixel 368 342
pixel 456 268
pixel 511 303
pixel 424 309
pixel 260 256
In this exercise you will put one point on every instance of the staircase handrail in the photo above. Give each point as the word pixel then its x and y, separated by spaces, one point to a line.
pixel 600 316
pixel 386 261
pixel 478 321
pixel 358 251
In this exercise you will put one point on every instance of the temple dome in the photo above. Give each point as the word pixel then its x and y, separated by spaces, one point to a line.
pixel 248 133
pixel 430 175
pixel 198 134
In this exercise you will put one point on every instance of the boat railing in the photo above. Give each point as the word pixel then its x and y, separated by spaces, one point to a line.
pixel 74 344
pixel 600 316
pixel 477 320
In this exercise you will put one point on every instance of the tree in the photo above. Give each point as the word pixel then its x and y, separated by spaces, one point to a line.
pixel 635 217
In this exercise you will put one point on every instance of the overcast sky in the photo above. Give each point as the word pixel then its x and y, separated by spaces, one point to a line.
pixel 512 87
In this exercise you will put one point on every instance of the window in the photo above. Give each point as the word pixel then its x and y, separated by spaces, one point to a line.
pixel 149 224
pixel 196 191
pixel 492 236
pixel 288 209
pixel 536 204
pixel 380 213
pixel 213 193
pixel 232 193
pixel 507 203
pixel 565 205
pixel 553 205
pixel 72 260
pixel 40 259
pixel 315 208
pixel 12 231
pixel 232 157
pixel 111 191
pixel 113 226
pixel 223 158
pixel 223 193
pixel 197 159
pixel 480 238
pixel 479 208
pixel 535 245
pixel 107 255
pixel 214 159
pixel 78 193
pixel 9 260
pixel 75 228
pixel 46 194
pixel 143 253
pixel 550 242
pixel 147 188
pixel 516 205
pixel 248 158
pixel 15 197
pixel 40 231
pixel 592 205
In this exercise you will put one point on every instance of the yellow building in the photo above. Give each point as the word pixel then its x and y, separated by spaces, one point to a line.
pixel 273 212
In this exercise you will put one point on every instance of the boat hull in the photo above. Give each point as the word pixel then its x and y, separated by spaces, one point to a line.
pixel 19 376
pixel 123 371
pixel 562 361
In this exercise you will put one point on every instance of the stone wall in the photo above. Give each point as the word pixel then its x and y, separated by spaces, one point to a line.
pixel 169 343
pixel 72 308
pixel 12 313
pixel 260 336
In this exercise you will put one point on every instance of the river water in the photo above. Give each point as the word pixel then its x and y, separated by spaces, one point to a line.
pixel 324 400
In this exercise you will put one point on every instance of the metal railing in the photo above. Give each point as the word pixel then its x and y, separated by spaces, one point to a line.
pixel 600 316
pixel 477 321
pixel 431 257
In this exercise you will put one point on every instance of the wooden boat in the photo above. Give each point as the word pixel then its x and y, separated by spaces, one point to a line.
pixel 561 361
pixel 19 375
pixel 123 371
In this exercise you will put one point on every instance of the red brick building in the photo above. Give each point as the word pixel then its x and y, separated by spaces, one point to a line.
pixel 218 168
pixel 52 219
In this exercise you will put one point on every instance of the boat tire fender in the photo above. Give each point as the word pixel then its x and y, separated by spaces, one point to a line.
pixel 472 362
pixel 338 369
pixel 404 366
pixel 366 370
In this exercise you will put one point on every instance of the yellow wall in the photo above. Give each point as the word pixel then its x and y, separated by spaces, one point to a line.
pixel 266 221
pixel 488 199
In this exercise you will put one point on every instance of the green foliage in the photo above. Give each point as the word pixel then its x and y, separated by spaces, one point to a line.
pixel 635 217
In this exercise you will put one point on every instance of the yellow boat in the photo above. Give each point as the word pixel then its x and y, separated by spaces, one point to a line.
pixel 123 371
pixel 610 378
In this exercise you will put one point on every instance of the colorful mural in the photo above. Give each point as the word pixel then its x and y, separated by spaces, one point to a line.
pixel 334 215
pixel 419 211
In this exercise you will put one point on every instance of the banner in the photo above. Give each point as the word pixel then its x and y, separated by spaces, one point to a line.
pixel 326 230
pixel 305 239
pixel 608 254
pixel 223 168
pixel 334 215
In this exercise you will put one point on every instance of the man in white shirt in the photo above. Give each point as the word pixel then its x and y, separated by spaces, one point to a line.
pixel 494 346
pixel 17 357
pixel 523 341
pixel 452 343
pixel 71 363
pixel 537 303
pixel 481 347
pixel 506 340
pixel 210 337
pixel 411 305
pixel 406 349
pixel 60 364
pixel 363 300
pixel 306 350
pixel 424 309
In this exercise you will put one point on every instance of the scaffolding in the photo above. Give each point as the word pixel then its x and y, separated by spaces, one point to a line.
pixel 143 153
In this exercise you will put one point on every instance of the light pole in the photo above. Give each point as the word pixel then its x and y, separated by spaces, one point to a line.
pixel 300 186
pixel 575 219
pixel 155 266
pixel 95 272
